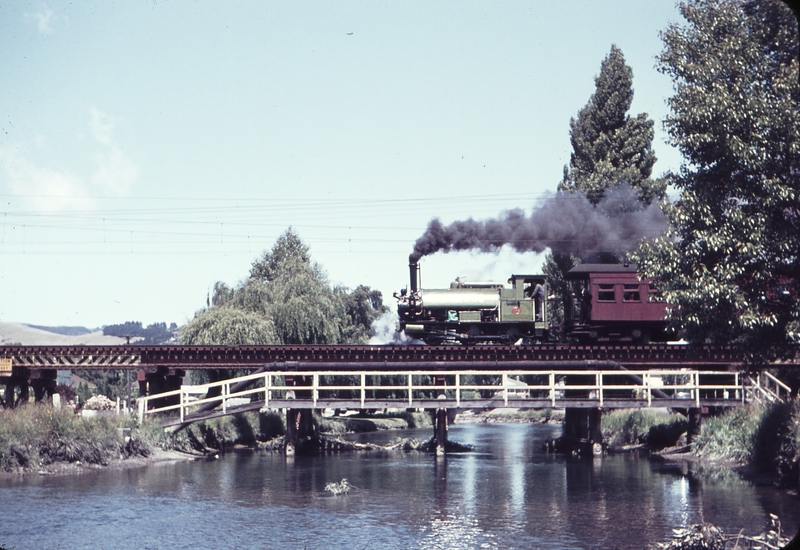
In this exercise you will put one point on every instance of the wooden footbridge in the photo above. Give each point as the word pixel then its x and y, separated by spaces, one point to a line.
pixel 582 379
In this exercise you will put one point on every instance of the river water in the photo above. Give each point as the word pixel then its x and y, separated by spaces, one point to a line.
pixel 508 493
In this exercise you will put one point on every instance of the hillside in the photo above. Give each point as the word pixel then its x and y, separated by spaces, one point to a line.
pixel 11 333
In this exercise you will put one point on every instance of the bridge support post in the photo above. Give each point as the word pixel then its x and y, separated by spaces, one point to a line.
pixel 300 429
pixel 695 421
pixel 582 432
pixel 440 422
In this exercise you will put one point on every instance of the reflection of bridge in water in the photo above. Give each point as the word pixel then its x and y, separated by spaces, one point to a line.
pixel 581 379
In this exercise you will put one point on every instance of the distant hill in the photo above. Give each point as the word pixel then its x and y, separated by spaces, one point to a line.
pixel 67 331
pixel 19 333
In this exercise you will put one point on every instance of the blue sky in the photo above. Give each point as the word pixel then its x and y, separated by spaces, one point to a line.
pixel 149 149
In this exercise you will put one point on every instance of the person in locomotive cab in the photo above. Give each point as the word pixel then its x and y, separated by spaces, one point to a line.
pixel 586 304
pixel 538 300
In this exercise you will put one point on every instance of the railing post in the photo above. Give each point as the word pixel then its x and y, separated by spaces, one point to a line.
pixel 410 389
pixel 363 389
pixel 267 389
pixel 225 391
pixel 458 390
pixel 315 389
pixel 552 382
pixel 183 401
pixel 142 407
pixel 696 382
pixel 599 383
pixel 505 389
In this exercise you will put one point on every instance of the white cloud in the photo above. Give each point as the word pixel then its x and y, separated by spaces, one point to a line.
pixel 43 189
pixel 115 173
pixel 43 19
pixel 50 190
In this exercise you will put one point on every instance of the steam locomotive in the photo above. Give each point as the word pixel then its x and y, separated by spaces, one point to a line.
pixel 603 303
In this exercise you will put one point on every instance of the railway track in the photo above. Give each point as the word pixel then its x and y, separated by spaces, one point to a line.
pixel 384 357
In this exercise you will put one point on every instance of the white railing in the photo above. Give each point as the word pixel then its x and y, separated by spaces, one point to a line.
pixel 766 388
pixel 360 389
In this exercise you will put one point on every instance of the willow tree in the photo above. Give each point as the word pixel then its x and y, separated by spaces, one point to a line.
pixel 730 262
pixel 292 300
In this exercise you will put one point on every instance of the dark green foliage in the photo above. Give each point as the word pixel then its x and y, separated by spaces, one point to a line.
pixel 555 268
pixel 111 383
pixel 609 148
pixel 154 334
pixel 228 326
pixel 642 426
pixel 730 261
pixel 66 392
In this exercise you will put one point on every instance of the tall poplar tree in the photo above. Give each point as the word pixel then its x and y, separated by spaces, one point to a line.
pixel 731 262
pixel 609 147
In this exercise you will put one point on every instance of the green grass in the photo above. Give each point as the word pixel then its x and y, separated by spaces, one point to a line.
pixel 657 429
pixel 767 437
pixel 34 436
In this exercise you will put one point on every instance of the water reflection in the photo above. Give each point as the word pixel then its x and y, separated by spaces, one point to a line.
pixel 506 494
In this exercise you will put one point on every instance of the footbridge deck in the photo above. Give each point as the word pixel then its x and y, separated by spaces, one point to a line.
pixel 477 389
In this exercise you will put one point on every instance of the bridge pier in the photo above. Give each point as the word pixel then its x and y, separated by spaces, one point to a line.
pixel 440 422
pixel 582 432
pixel 301 433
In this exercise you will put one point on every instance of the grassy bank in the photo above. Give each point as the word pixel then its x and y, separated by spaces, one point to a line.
pixel 766 439
pixel 652 428
pixel 33 437
pixel 36 437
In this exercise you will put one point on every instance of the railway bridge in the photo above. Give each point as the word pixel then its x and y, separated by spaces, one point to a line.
pixel 442 379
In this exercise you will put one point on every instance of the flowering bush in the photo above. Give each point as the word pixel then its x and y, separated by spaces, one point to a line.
pixel 99 403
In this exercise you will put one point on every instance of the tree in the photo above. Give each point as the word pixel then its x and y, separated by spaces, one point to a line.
pixel 287 299
pixel 228 326
pixel 729 264
pixel 609 148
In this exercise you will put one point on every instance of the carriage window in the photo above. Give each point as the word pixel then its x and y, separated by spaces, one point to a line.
pixel 630 293
pixel 605 293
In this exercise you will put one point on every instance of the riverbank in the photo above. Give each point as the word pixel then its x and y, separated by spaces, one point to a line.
pixel 47 441
pixel 760 442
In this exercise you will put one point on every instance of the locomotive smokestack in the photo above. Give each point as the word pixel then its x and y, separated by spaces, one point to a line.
pixel 412 271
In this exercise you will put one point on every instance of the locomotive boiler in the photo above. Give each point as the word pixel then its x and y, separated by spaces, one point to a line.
pixel 475 312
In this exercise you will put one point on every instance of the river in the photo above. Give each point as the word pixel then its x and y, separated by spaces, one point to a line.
pixel 508 493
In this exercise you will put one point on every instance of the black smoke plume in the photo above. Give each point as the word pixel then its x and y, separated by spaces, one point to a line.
pixel 567 223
